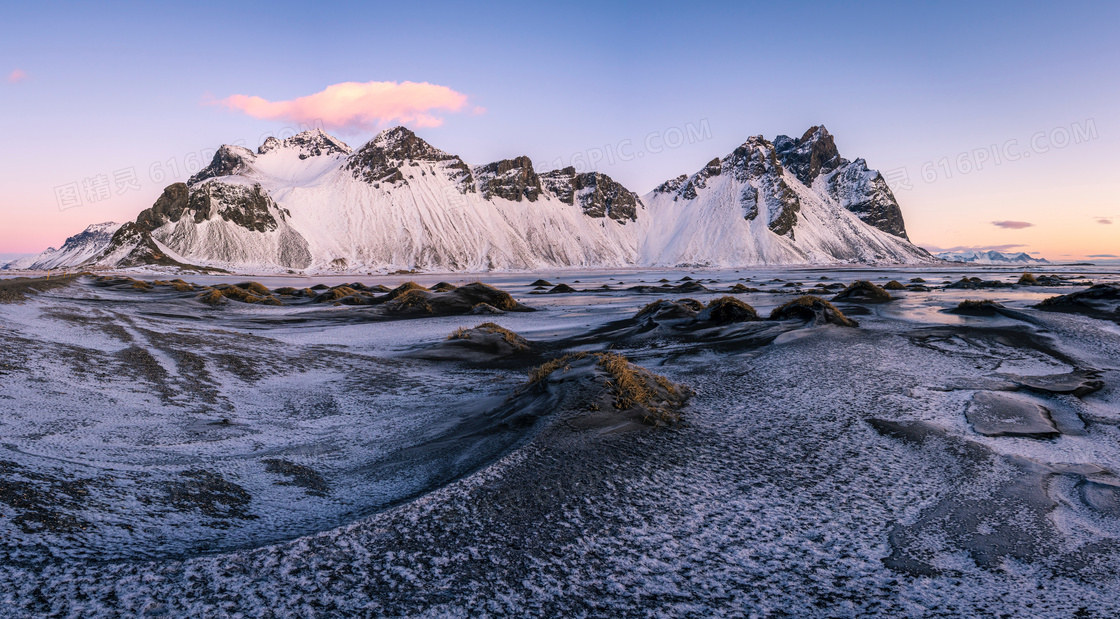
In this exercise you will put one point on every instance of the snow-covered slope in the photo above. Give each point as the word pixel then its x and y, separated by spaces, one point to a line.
pixel 991 257
pixel 77 249
pixel 312 204
pixel 748 208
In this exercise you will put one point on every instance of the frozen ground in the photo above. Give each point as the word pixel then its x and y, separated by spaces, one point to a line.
pixel 162 458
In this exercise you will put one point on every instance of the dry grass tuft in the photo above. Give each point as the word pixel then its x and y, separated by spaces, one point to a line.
pixel 650 308
pixel 975 304
pixel 863 290
pixel 730 309
pixel 1028 280
pixel 630 385
pixel 692 304
pixel 256 288
pixel 893 285
pixel 212 297
pixel 542 371
pixel 804 306
pixel 405 288
pixel 414 299
pixel 515 340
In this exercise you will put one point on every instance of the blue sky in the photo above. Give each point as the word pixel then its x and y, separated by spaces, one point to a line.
pixel 95 90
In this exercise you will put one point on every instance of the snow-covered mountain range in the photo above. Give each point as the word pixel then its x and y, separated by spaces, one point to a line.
pixel 312 204
pixel 79 249
pixel 991 257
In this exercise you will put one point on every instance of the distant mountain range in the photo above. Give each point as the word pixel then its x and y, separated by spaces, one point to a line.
pixel 991 257
pixel 79 249
pixel 311 204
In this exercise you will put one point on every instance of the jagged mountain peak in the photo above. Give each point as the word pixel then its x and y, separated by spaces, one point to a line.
pixel 402 143
pixel 811 155
pixel 228 160
pixel 382 159
pixel 311 143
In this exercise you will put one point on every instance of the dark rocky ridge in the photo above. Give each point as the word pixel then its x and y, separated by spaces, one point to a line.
pixel 857 188
pixel 813 154
pixel 607 197
pixel 381 160
pixel 754 162
pixel 512 179
pixel 865 193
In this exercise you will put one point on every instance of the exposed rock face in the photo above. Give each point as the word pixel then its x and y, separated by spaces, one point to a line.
pixel 857 188
pixel 598 194
pixel 170 206
pixel 812 155
pixel 385 158
pixel 865 193
pixel 672 185
pixel 756 164
pixel 512 179
pixel 248 207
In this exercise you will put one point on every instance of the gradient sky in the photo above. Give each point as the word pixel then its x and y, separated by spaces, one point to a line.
pixel 88 91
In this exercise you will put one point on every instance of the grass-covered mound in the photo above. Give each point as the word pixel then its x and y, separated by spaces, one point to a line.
pixel 238 293
pixel 404 289
pixel 893 285
pixel 485 342
pixel 977 307
pixel 615 391
pixel 664 309
pixel 256 288
pixel 420 301
pixel 1099 301
pixel 863 291
pixel 1028 279
pixel 489 328
pixel 561 289
pixel 728 309
pixel 17 289
pixel 813 309
pixel 975 283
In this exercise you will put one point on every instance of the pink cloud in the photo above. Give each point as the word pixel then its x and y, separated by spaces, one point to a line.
pixel 1013 225
pixel 17 75
pixel 1104 220
pixel 359 107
